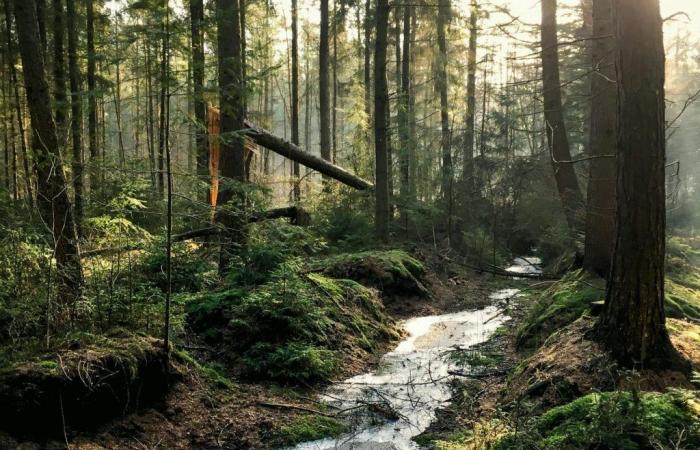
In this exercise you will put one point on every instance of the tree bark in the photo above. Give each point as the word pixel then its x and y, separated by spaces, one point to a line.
pixel 295 98
pixel 404 113
pixel 92 98
pixel 600 208
pixel 232 110
pixel 54 204
pixel 381 101
pixel 196 35
pixel 632 324
pixel 323 96
pixel 367 68
pixel 59 71
pixel 76 113
pixel 443 17
pixel 468 157
pixel 292 151
pixel 557 139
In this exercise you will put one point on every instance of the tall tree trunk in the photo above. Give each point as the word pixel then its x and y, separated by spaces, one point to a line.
pixel 323 60
pixel 164 106
pixel 231 95
pixel 197 37
pixel 632 324
pixel 367 75
pixel 17 103
pixel 404 113
pixel 76 113
pixel 468 158
pixel 295 97
pixel 600 208
pixel 59 71
pixel 381 101
pixel 92 99
pixel 443 17
pixel 150 128
pixel 557 139
pixel 118 100
pixel 55 206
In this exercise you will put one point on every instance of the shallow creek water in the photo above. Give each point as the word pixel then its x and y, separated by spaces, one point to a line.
pixel 414 378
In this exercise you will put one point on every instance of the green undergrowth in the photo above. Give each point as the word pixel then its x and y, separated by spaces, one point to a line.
pixel 683 278
pixel 572 296
pixel 208 372
pixel 614 420
pixel 297 327
pixel 559 305
pixel 308 428
pixel 393 272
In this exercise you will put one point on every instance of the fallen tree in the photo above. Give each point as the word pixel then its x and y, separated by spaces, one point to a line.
pixel 291 151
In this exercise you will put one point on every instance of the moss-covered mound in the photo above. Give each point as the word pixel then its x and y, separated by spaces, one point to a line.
pixel 393 272
pixel 296 327
pixel 572 296
pixel 615 420
pixel 683 278
pixel 82 386
pixel 561 304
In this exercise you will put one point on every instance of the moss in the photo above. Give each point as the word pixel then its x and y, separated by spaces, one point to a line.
pixel 558 306
pixel 207 372
pixel 393 272
pixel 309 428
pixel 474 358
pixel 683 278
pixel 614 420
pixel 296 327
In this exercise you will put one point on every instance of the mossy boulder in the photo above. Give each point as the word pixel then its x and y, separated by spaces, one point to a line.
pixel 615 420
pixel 392 272
pixel 81 387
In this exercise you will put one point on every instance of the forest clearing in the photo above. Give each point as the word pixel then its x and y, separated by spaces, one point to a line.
pixel 353 225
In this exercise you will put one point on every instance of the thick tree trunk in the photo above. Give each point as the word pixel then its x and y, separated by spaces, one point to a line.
pixel 76 113
pixel 381 101
pixel 232 107
pixel 197 38
pixel 600 208
pixel 295 98
pixel 323 96
pixel 558 141
pixel 632 324
pixel 92 99
pixel 55 207
pixel 59 71
pixel 443 17
pixel 468 157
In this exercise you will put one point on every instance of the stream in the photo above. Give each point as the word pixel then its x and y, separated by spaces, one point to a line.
pixel 413 380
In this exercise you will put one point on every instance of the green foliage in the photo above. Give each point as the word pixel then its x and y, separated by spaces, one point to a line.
pixel 269 245
pixel 344 216
pixel 189 271
pixel 390 271
pixel 683 277
pixel 295 327
pixel 561 304
pixel 475 358
pixel 614 420
pixel 212 374
pixel 309 428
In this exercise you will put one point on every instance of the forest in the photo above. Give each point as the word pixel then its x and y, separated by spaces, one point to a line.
pixel 349 224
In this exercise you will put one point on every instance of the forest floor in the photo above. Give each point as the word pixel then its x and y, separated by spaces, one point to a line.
pixel 205 412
